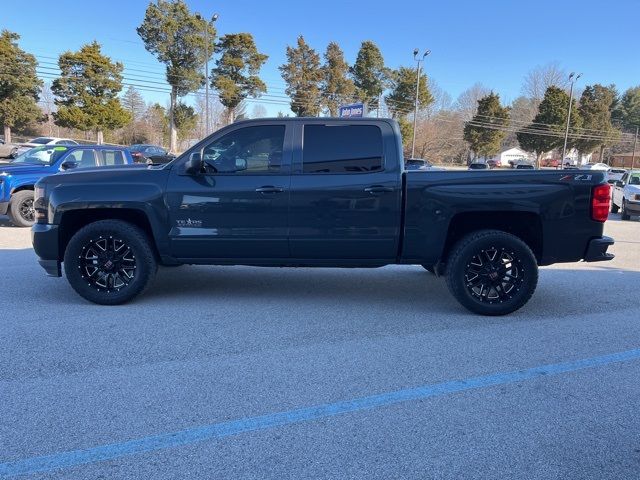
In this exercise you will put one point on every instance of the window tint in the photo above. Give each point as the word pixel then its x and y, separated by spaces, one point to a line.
pixel 246 151
pixel 113 157
pixel 342 149
pixel 85 158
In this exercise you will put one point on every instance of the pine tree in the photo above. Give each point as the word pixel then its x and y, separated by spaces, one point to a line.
pixel 87 91
pixel 486 130
pixel 19 85
pixel 595 107
pixel 402 98
pixel 546 132
pixel 303 75
pixel 236 74
pixel 369 74
pixel 176 37
pixel 337 88
pixel 627 111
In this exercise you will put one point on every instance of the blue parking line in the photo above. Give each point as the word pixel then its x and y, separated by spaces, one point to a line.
pixel 225 429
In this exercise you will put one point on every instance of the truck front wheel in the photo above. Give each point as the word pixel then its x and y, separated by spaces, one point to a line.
pixel 109 262
pixel 491 272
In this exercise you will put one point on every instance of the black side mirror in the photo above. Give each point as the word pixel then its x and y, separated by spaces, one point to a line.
pixel 68 164
pixel 619 183
pixel 193 166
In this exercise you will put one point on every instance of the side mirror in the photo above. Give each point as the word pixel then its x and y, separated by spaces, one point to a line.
pixel 619 183
pixel 68 164
pixel 193 166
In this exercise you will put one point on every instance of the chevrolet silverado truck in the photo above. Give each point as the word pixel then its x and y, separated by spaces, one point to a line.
pixel 317 192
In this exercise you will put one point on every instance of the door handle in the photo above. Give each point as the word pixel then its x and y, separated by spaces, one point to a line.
pixel 376 189
pixel 269 189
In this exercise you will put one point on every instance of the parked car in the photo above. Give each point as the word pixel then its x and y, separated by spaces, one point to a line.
pixel 335 194
pixel 40 141
pixel 8 150
pixel 614 174
pixel 493 163
pixel 626 195
pixel 595 166
pixel 550 162
pixel 420 164
pixel 142 152
pixel 524 166
pixel 17 179
pixel 478 166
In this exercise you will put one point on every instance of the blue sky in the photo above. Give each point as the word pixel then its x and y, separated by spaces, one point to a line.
pixel 492 42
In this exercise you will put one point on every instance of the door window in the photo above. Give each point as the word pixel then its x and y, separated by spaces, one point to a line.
pixel 342 149
pixel 113 157
pixel 84 158
pixel 246 151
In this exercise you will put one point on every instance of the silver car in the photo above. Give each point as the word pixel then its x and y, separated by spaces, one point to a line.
pixel 8 150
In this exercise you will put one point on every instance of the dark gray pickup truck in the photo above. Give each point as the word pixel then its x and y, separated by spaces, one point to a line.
pixel 317 192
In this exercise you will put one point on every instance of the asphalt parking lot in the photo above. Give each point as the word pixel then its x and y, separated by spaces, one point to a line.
pixel 238 372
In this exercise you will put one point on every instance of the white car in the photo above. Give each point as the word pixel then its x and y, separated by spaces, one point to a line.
pixel 595 166
pixel 626 195
pixel 40 141
pixel 615 174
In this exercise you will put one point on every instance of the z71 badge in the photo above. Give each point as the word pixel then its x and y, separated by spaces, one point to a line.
pixel 583 177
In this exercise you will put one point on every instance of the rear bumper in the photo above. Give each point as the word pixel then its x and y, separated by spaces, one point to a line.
pixel 597 250
pixel 4 208
pixel 45 243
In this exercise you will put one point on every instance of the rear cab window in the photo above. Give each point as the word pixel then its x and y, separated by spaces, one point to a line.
pixel 342 149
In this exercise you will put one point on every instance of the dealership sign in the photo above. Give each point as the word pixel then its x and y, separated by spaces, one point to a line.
pixel 351 111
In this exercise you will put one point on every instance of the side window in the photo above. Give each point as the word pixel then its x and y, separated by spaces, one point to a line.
pixel 342 149
pixel 248 150
pixel 113 157
pixel 85 158
pixel 624 178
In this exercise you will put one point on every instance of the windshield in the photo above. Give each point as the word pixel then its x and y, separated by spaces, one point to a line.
pixel 41 140
pixel 40 155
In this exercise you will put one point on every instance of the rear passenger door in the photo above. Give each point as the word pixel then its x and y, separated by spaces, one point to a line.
pixel 112 157
pixel 345 192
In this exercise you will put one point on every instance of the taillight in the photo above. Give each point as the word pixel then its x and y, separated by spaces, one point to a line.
pixel 600 199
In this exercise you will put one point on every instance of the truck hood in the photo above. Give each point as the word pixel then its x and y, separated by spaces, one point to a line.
pixel 27 169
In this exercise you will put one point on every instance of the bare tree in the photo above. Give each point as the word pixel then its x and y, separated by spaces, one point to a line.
pixel 467 102
pixel 48 106
pixel 542 77
pixel 441 99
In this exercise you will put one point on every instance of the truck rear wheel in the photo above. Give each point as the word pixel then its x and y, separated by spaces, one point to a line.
pixel 109 262
pixel 491 272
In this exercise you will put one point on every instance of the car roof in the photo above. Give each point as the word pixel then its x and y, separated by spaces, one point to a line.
pixel 95 147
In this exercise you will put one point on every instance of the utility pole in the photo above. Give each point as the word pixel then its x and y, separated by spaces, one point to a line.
pixel 415 113
pixel 566 132
pixel 206 71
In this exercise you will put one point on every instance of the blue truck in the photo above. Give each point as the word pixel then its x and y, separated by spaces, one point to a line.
pixel 17 179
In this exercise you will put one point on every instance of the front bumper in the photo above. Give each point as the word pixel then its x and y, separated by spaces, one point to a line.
pixel 597 250
pixel 45 243
pixel 4 208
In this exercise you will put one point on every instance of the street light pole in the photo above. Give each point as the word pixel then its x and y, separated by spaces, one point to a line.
pixel 206 71
pixel 633 155
pixel 415 113
pixel 566 132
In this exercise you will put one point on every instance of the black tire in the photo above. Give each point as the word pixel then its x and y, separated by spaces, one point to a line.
pixel 623 212
pixel 509 270
pixel 100 270
pixel 21 212
pixel 614 208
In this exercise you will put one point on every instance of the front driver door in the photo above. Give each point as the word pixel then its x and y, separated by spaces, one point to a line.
pixel 236 208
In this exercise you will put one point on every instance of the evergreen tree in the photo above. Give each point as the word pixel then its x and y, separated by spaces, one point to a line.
pixel 176 37
pixel 486 130
pixel 595 107
pixel 402 97
pixel 185 119
pixel 19 85
pixel 546 132
pixel 627 110
pixel 337 88
pixel 369 74
pixel 87 91
pixel 236 74
pixel 303 75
